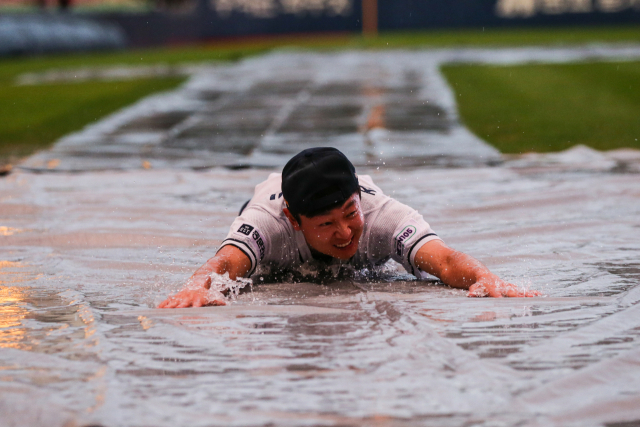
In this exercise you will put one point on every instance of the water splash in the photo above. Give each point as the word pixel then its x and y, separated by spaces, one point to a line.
pixel 221 284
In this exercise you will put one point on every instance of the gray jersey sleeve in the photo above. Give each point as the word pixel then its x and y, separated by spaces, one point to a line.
pixel 399 232
pixel 260 236
pixel 262 231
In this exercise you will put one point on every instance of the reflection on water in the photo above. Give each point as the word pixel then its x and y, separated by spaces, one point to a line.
pixel 12 305
pixel 12 311
pixel 34 318
pixel 8 231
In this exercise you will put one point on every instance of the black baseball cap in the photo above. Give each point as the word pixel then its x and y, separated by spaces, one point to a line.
pixel 316 179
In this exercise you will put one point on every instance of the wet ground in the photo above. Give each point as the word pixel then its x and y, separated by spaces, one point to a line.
pixel 87 253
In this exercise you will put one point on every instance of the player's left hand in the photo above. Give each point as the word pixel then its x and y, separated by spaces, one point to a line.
pixel 493 286
pixel 199 297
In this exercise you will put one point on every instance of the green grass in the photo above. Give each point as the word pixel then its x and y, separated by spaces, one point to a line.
pixel 545 107
pixel 33 117
pixel 503 37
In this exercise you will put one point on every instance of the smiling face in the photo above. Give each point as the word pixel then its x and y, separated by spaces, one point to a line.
pixel 336 233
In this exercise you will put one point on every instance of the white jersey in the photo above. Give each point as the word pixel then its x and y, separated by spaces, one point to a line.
pixel 392 230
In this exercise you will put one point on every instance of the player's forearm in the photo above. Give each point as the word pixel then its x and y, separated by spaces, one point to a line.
pixel 217 265
pixel 461 270
pixel 229 260
pixel 197 291
pixel 202 276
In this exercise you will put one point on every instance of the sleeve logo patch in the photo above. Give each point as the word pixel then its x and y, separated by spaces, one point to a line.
pixel 245 229
pixel 406 234
pixel 259 242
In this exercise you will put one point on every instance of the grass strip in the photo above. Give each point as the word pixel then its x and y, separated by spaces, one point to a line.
pixel 35 116
pixel 503 37
pixel 550 107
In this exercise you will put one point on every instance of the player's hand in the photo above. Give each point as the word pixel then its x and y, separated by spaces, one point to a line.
pixel 493 286
pixel 199 297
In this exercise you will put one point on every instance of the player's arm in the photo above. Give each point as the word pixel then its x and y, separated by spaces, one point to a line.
pixel 459 270
pixel 197 293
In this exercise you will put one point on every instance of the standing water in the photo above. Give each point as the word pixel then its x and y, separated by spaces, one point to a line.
pixel 88 252
pixel 87 257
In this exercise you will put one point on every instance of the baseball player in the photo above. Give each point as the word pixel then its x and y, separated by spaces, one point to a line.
pixel 319 215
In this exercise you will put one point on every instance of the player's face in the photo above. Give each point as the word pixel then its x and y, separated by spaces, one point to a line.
pixel 338 232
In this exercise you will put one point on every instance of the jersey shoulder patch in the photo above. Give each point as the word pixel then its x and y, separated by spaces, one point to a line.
pixel 259 243
pixel 252 237
pixel 245 229
pixel 404 238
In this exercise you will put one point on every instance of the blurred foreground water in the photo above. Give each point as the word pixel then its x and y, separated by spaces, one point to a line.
pixel 85 258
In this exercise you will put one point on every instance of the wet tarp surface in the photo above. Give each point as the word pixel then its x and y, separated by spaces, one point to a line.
pixel 87 252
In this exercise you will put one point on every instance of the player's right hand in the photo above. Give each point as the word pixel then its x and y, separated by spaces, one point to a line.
pixel 193 298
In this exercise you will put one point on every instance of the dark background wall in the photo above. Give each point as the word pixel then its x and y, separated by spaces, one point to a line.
pixel 210 19
pixel 414 14
pixel 206 22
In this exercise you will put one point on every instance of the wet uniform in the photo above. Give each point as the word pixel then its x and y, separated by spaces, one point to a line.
pixel 392 230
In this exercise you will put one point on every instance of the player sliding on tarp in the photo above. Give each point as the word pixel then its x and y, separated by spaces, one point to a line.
pixel 318 214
